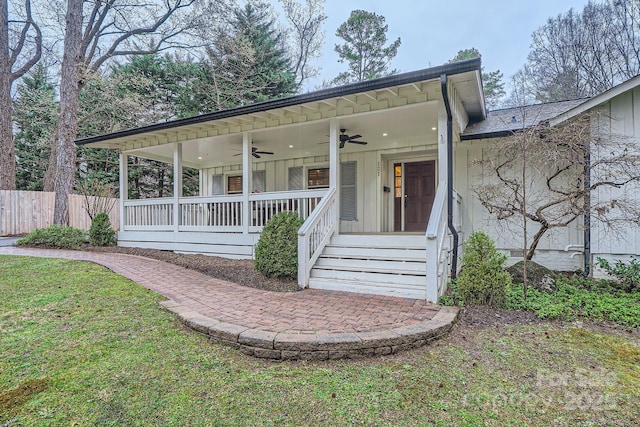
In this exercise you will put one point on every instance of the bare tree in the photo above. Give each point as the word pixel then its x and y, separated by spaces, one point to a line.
pixel 97 197
pixel 95 32
pixel 581 54
pixel 20 49
pixel 552 176
pixel 306 29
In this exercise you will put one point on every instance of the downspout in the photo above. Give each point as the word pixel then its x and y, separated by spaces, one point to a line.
pixel 452 228
pixel 587 212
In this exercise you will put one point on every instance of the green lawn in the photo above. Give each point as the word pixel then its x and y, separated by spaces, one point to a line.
pixel 80 345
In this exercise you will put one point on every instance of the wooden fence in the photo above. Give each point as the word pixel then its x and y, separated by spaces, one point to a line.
pixel 23 211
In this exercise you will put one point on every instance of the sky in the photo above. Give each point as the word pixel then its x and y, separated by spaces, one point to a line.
pixel 432 32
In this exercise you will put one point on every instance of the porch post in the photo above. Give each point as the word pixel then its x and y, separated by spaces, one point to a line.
pixel 246 180
pixel 124 186
pixel 177 184
pixel 334 165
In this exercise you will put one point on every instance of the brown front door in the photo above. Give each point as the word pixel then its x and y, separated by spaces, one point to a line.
pixel 420 190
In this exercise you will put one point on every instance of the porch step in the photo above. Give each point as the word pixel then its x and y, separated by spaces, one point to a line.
pixel 392 265
pixel 367 288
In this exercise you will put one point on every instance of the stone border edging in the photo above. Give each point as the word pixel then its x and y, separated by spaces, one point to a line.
pixel 292 346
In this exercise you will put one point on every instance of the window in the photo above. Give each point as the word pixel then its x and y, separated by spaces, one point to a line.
pixel 234 183
pixel 348 206
pixel 258 181
pixel 296 177
pixel 397 181
pixel 318 178
pixel 217 186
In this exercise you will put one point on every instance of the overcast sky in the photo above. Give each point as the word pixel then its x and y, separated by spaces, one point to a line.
pixel 432 32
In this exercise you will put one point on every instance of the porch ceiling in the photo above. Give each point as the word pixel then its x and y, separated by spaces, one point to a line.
pixel 382 130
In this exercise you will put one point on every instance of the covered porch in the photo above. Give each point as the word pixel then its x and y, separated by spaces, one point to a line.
pixel 365 158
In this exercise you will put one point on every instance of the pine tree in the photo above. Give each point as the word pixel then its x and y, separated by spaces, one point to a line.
pixel 249 61
pixel 35 115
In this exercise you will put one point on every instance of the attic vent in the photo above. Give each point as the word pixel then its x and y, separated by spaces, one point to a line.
pixel 514 120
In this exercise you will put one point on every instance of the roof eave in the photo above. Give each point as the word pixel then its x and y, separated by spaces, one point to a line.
pixel 323 94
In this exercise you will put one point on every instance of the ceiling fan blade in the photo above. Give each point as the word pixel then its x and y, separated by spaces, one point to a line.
pixel 264 152
pixel 355 137
pixel 359 142
pixel 255 154
pixel 239 154
pixel 342 144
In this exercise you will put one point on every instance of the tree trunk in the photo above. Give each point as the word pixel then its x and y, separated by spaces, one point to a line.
pixel 7 149
pixel 65 149
pixel 536 239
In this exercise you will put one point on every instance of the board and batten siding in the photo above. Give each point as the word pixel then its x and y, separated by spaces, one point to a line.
pixel 620 117
pixel 507 234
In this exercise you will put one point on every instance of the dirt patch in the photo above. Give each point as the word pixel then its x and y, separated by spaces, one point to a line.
pixel 12 400
pixel 232 270
pixel 484 317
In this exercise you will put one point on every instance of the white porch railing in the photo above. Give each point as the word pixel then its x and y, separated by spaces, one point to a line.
pixel 148 214
pixel 217 213
pixel 437 252
pixel 314 234
pixel 265 205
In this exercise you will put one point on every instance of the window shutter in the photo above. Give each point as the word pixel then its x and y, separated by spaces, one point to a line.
pixel 296 175
pixel 258 182
pixel 348 206
pixel 217 185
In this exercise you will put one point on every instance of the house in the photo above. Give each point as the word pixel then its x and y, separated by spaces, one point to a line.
pixel 379 170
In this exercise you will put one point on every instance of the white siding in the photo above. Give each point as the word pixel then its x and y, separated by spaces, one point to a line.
pixel 622 117
pixel 507 234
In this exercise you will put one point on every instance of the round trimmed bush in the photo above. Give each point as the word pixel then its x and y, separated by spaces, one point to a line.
pixel 483 280
pixel 55 236
pixel 276 253
pixel 101 233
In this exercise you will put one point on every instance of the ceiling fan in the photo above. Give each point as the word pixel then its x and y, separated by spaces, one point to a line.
pixel 344 138
pixel 255 152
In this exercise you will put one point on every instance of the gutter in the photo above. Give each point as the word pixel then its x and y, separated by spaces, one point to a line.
pixel 341 91
pixel 452 228
pixel 587 212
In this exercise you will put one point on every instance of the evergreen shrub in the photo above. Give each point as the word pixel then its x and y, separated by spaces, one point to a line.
pixel 276 253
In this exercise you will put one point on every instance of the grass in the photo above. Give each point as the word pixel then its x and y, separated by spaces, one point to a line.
pixel 80 345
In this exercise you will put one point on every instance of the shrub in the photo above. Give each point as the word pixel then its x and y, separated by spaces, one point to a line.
pixel 55 236
pixel 276 253
pixel 101 233
pixel 483 280
pixel 626 274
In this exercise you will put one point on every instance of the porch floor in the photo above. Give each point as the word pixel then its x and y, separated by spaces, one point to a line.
pixel 310 324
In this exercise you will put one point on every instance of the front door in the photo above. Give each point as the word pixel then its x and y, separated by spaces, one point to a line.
pixel 419 192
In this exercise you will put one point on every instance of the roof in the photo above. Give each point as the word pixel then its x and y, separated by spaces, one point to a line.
pixel 605 96
pixel 473 102
pixel 506 121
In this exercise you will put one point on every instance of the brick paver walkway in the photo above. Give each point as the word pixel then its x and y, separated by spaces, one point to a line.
pixel 309 311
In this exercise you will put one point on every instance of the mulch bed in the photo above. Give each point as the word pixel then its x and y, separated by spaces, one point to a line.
pixel 232 270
